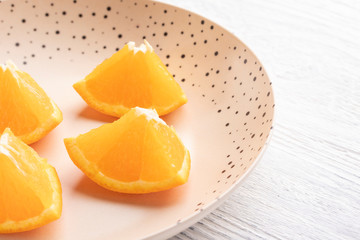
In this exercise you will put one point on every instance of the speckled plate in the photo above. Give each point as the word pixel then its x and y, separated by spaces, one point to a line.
pixel 225 124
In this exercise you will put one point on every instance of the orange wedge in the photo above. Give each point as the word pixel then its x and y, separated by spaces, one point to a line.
pixel 132 77
pixel 24 106
pixel 30 191
pixel 138 153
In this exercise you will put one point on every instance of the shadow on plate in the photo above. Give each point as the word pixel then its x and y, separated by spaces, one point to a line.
pixel 90 113
pixel 176 117
pixel 45 141
pixel 170 118
pixel 159 199
pixel 48 144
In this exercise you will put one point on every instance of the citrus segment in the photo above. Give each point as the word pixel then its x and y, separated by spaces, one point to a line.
pixel 138 153
pixel 30 193
pixel 133 76
pixel 24 106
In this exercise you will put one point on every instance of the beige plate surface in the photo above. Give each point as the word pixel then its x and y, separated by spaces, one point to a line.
pixel 225 124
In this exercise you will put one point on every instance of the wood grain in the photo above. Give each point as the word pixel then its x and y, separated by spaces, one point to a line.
pixel 308 184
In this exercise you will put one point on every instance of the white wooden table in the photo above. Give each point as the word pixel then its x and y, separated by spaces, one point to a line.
pixel 307 185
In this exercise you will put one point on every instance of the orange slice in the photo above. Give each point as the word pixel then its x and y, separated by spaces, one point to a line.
pixel 24 105
pixel 132 77
pixel 138 153
pixel 30 191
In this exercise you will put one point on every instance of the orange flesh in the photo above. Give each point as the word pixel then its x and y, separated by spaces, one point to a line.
pixel 24 106
pixel 133 149
pixel 111 86
pixel 25 188
pixel 20 122
pixel 123 160
pixel 131 79
pixel 163 154
pixel 17 200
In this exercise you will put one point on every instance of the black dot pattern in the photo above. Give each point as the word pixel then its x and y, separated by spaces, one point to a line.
pixel 214 68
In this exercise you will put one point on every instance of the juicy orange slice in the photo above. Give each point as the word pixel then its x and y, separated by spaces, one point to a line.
pixel 30 191
pixel 132 77
pixel 24 106
pixel 138 153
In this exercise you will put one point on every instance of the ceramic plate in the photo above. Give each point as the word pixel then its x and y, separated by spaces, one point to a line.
pixel 225 124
